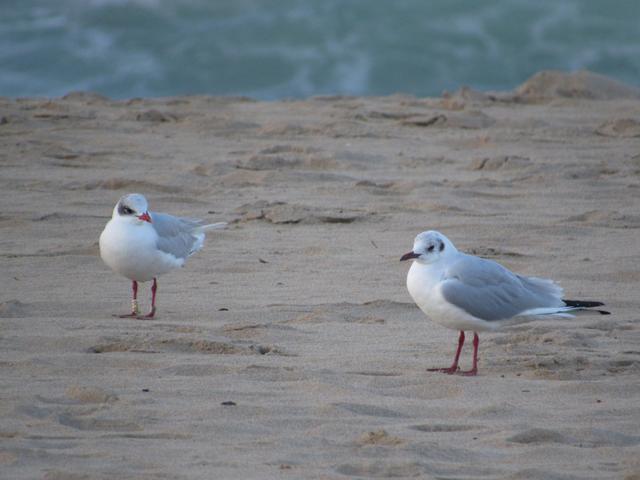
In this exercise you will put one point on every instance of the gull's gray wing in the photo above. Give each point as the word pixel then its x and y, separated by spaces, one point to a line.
pixel 177 236
pixel 487 290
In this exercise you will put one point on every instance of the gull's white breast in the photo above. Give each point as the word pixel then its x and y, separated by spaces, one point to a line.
pixel 131 250
pixel 424 285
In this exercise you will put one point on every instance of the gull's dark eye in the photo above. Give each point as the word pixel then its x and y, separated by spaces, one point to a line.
pixel 124 210
pixel 441 246
pixel 430 249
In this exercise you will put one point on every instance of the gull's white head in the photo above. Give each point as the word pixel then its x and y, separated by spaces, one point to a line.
pixel 132 208
pixel 429 247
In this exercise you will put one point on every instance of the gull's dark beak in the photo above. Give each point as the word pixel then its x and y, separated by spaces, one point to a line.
pixel 145 217
pixel 409 256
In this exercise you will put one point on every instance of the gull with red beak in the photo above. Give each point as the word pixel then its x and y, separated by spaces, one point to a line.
pixel 468 293
pixel 142 245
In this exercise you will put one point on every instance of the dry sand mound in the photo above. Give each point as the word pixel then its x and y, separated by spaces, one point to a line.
pixel 584 84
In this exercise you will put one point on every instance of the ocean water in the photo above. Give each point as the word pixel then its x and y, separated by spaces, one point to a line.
pixel 270 49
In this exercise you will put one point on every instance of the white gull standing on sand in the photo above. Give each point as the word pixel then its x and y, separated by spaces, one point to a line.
pixel 464 292
pixel 142 245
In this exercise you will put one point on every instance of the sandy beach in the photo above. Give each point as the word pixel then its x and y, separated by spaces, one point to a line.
pixel 289 346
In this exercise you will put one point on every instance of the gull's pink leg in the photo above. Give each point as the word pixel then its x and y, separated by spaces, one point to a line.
pixel 474 367
pixel 454 367
pixel 134 302
pixel 154 288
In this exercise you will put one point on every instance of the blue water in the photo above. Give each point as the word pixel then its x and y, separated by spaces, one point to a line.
pixel 272 49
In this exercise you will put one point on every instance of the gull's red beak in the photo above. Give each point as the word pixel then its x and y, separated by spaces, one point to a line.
pixel 409 256
pixel 145 217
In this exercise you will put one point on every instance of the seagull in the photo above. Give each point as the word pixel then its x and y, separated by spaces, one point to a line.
pixel 464 292
pixel 142 245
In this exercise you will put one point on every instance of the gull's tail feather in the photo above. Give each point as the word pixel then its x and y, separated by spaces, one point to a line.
pixel 585 305
pixel 213 226
pixel 568 310
pixel 199 233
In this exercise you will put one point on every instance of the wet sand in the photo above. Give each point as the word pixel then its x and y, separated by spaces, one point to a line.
pixel 289 347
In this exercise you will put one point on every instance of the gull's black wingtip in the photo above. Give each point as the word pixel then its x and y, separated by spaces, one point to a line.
pixel 582 303
pixel 586 304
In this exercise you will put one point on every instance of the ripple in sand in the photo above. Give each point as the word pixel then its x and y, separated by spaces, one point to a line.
pixel 65 475
pixel 286 213
pixel 122 184
pixel 102 424
pixel 156 116
pixel 90 394
pixel 378 437
pixel 464 120
pixel 13 309
pixel 372 312
pixel 620 128
pixel 169 345
pixel 444 427
pixel 369 410
pixel 502 162
pixel 612 219
pixel 380 469
pixel 279 157
pixel 587 438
